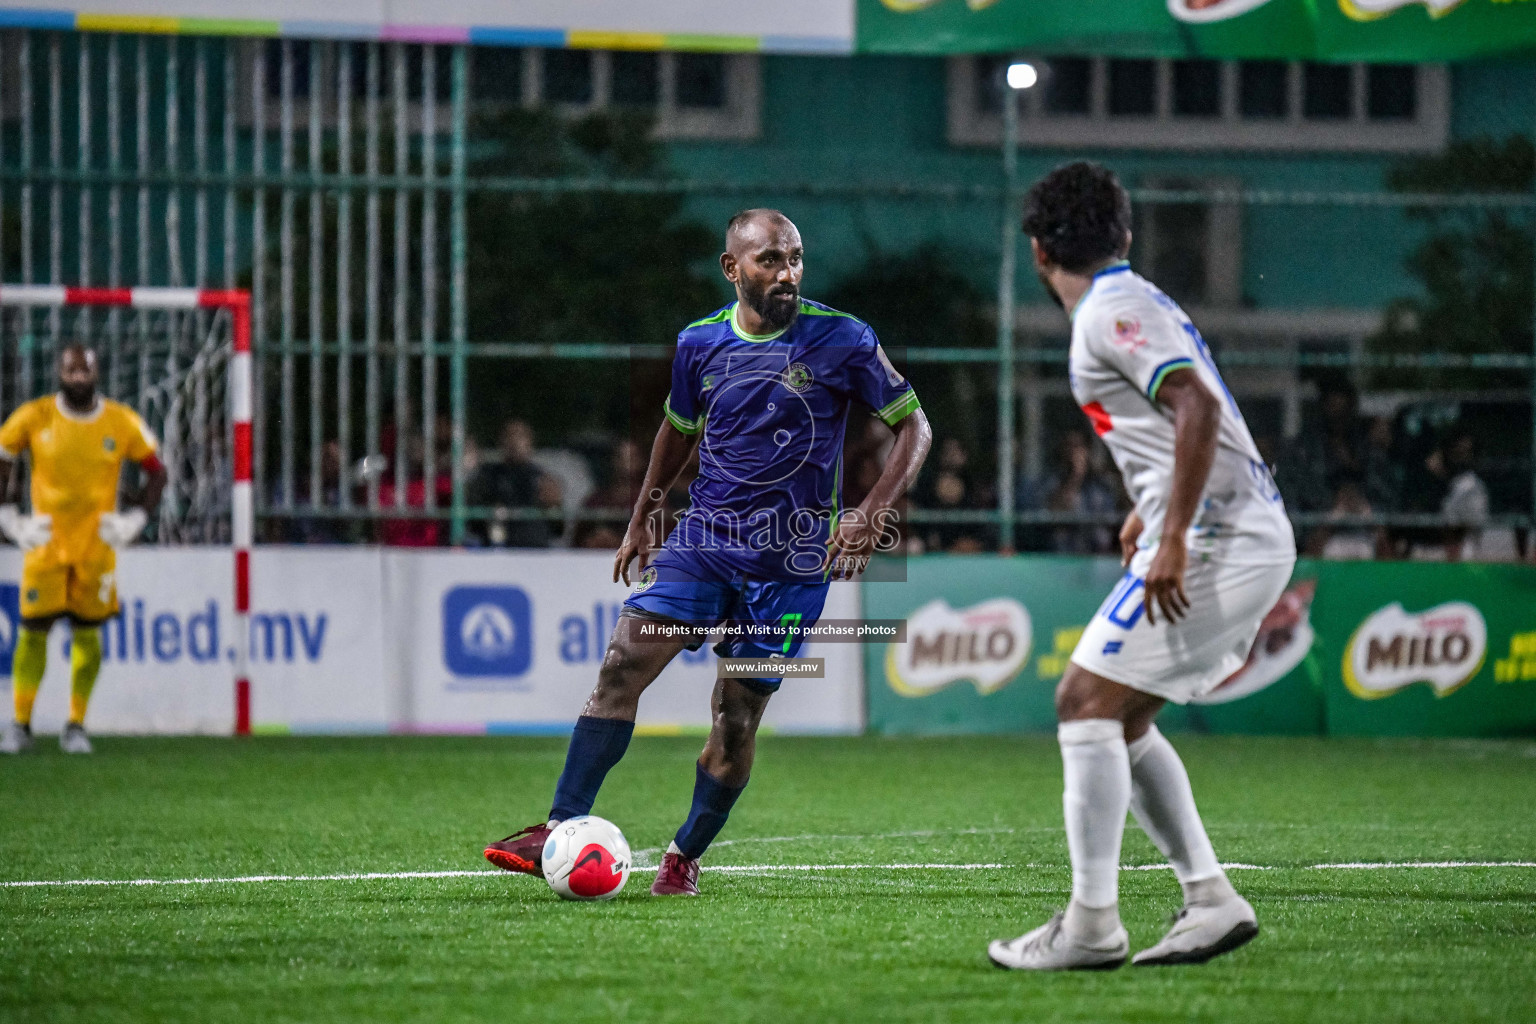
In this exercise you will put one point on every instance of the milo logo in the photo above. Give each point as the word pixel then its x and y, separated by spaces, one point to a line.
pixel 987 643
pixel 1393 649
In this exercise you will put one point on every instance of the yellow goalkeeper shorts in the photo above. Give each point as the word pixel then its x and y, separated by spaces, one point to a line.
pixel 84 588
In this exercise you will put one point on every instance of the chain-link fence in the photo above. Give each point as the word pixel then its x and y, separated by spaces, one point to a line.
pixel 381 200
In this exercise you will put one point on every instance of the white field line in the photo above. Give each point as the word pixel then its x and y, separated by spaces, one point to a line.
pixel 745 869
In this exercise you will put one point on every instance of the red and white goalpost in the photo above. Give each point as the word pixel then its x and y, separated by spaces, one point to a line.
pixel 186 395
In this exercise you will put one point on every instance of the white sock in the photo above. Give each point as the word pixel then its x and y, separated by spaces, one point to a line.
pixel 1097 772
pixel 1164 806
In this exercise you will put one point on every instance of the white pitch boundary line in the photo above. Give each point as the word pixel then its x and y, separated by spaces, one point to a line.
pixel 371 876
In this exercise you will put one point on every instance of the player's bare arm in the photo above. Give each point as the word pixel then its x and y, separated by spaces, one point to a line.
pixel 155 477
pixel 1196 422
pixel 669 454
pixel 1130 533
pixel 855 535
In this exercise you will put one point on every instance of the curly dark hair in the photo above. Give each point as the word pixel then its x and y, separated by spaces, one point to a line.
pixel 1080 214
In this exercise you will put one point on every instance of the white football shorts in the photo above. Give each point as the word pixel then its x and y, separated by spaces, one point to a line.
pixel 1179 662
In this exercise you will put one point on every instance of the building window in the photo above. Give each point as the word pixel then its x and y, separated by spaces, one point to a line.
pixel 691 96
pixel 497 74
pixel 1068 86
pixel 987 79
pixel 636 80
pixel 1193 251
pixel 1205 104
pixel 567 76
pixel 1391 92
pixel 1196 88
pixel 1326 91
pixel 1263 90
pixel 1132 87
pixel 701 81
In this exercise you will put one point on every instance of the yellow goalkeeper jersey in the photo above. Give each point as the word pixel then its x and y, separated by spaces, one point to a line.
pixel 76 459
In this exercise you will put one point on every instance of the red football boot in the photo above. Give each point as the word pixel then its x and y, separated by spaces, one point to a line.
pixel 679 876
pixel 521 851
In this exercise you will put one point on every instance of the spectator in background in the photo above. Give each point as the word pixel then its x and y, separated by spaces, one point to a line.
pixel 1075 485
pixel 1331 447
pixel 1465 505
pixel 1383 479
pixel 1344 542
pixel 404 531
pixel 512 481
pixel 618 495
pixel 951 489
pixel 317 530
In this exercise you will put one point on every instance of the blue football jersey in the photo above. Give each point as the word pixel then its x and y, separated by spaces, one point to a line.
pixel 772 411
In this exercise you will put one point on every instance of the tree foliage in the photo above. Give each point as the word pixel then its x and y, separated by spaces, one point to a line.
pixel 1475 265
pixel 593 265
pixel 918 300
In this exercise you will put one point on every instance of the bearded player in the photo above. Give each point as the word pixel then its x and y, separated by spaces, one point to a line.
pixel 762 388
pixel 1208 551
pixel 78 441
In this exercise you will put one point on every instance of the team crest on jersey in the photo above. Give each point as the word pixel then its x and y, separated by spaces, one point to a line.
pixel 1128 333
pixel 647 579
pixel 110 444
pixel 797 377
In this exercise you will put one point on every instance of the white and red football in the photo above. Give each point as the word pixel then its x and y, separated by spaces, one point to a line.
pixel 586 858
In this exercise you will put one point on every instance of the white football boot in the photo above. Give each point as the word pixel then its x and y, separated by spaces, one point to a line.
pixel 1201 931
pixel 73 739
pixel 16 739
pixel 1051 948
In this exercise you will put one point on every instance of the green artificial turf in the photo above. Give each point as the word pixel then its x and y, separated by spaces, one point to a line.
pixel 1402 944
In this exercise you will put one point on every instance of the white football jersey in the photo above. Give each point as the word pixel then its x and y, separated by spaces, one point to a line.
pixel 1127 336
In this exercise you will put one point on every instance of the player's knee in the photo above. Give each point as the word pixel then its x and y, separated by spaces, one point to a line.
pixel 735 726
pixel 1074 699
pixel 622 670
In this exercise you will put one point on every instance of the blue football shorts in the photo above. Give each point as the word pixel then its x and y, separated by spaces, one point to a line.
pixel 684 585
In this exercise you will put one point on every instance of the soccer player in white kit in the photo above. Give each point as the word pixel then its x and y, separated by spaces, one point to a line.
pixel 1208 551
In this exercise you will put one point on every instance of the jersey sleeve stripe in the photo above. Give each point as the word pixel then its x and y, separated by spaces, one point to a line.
pixel 1163 371
pixel 899 409
pixel 684 425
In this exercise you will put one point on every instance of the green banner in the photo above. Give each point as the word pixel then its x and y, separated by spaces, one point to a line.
pixel 1335 30
pixel 1413 649
pixel 1351 648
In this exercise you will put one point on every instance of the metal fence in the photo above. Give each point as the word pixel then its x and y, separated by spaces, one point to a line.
pixel 332 177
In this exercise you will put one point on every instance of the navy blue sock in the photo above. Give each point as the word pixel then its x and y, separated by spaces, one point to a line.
pixel 712 803
pixel 596 746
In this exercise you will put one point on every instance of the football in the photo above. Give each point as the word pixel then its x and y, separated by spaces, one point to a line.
pixel 586 858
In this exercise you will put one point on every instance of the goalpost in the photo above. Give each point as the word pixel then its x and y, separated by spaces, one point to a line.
pixel 182 358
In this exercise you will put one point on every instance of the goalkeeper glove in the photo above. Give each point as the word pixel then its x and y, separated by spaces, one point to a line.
pixel 121 528
pixel 27 531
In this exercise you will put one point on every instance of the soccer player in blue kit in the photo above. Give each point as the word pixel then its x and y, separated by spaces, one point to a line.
pixel 763 388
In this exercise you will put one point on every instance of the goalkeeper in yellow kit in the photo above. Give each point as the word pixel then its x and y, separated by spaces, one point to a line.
pixel 78 441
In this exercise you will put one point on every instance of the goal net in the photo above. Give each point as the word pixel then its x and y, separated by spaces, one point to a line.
pixel 181 358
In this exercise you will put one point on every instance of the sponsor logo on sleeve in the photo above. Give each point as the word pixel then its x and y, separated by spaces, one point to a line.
pixel 1128 333
pixel 1443 647
pixel 892 376
pixel 987 643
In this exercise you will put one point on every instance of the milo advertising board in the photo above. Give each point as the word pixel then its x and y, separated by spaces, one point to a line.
pixel 1365 648
pixel 1430 650
pixel 989 638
